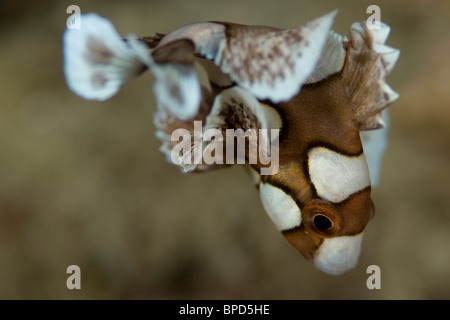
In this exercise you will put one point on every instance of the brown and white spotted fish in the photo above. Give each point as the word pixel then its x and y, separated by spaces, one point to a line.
pixel 324 93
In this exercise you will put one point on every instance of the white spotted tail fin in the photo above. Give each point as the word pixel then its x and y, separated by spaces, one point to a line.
pixel 97 62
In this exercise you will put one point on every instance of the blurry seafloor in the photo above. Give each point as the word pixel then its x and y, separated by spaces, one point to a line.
pixel 84 183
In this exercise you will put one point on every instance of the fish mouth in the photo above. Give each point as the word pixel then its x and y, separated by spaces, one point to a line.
pixel 338 255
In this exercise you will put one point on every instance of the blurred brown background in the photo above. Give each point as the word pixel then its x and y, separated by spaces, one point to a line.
pixel 84 183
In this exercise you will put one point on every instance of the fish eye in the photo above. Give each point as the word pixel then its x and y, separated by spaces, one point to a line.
pixel 322 222
pixel 322 218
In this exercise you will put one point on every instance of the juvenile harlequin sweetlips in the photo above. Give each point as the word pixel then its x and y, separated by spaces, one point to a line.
pixel 321 90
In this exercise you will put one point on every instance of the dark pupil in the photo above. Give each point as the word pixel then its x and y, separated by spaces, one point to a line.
pixel 322 222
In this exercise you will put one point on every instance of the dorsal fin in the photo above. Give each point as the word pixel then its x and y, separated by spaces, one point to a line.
pixel 271 63
pixel 367 64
